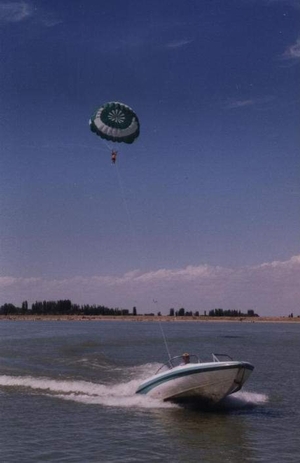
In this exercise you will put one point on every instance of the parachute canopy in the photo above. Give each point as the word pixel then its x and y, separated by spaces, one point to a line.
pixel 115 121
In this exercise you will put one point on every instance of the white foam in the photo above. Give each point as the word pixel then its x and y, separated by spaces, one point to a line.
pixel 121 394
pixel 112 395
pixel 136 400
pixel 244 399
pixel 252 397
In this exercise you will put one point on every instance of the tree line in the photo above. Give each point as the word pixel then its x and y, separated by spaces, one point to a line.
pixel 61 307
pixel 231 313
pixel 66 307
pixel 213 313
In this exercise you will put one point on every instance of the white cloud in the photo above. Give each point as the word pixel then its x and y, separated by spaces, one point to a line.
pixel 239 104
pixel 259 103
pixel 13 12
pixel 271 288
pixel 292 52
pixel 178 43
pixel 17 12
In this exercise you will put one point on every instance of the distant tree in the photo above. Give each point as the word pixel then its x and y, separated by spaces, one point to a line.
pixel 172 313
pixel 62 307
pixel 134 312
pixel 8 309
pixel 219 312
pixel 24 309
pixel 181 312
pixel 37 308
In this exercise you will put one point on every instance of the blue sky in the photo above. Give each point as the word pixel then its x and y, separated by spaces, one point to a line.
pixel 202 210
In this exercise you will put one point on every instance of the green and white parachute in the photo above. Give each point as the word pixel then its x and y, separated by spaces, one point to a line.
pixel 116 122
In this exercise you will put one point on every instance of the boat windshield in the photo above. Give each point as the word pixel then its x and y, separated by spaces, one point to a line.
pixel 221 357
pixel 177 361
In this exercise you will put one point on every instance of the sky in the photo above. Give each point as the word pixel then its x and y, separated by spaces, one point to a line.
pixel 202 210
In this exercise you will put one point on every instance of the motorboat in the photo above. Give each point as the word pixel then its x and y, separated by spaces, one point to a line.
pixel 186 377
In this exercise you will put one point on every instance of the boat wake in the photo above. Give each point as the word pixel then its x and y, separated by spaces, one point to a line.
pixel 110 395
pixel 118 393
pixel 243 400
pixel 240 401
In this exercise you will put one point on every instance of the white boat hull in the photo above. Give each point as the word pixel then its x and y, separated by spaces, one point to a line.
pixel 209 382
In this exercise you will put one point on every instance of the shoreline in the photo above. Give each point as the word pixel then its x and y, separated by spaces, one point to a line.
pixel 149 318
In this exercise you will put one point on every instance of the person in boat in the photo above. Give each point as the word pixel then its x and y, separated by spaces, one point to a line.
pixel 185 358
pixel 114 156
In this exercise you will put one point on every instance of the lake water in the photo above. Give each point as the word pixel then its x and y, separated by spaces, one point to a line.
pixel 67 393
